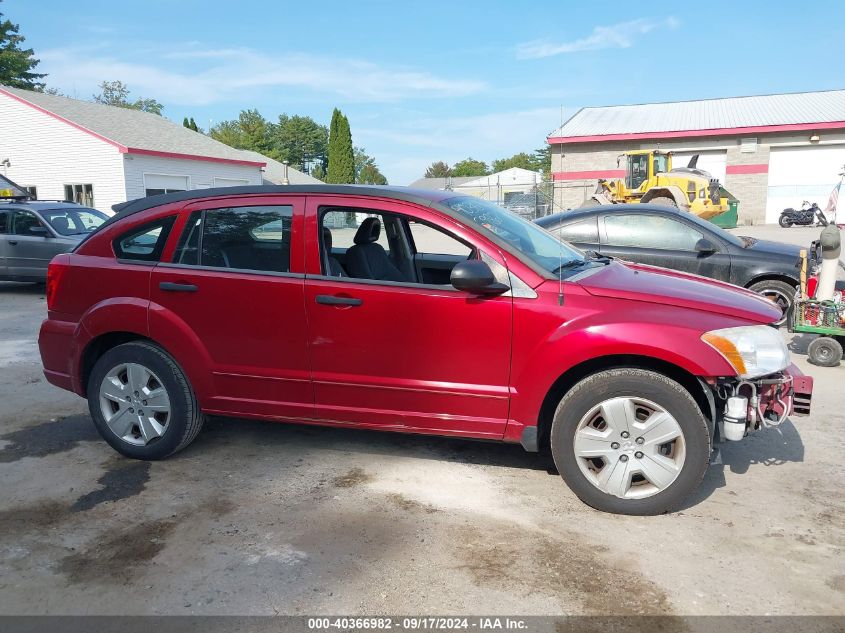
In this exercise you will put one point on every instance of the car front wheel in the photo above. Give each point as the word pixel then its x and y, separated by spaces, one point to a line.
pixel 630 441
pixel 141 402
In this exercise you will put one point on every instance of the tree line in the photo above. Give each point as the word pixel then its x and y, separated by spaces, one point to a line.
pixel 538 160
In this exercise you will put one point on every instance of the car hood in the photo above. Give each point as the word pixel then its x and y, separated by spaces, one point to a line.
pixel 638 282
pixel 768 247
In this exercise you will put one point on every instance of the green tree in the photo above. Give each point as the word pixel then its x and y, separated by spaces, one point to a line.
pixel 116 93
pixel 438 169
pixel 366 170
pixel 470 167
pixel 341 163
pixel 301 141
pixel 250 131
pixel 190 124
pixel 522 160
pixel 543 160
pixel 370 175
pixel 319 172
pixel 16 63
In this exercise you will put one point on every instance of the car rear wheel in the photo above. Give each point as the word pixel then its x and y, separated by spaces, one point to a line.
pixel 141 402
pixel 630 441
pixel 778 292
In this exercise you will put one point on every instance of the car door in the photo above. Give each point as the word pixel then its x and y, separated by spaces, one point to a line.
pixel 235 277
pixel 662 240
pixel 30 245
pixel 404 354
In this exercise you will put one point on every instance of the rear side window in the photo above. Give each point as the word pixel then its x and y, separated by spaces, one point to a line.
pixel 240 238
pixel 4 222
pixel 144 243
pixel 581 231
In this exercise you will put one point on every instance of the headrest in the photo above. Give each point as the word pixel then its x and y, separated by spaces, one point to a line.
pixel 327 240
pixel 61 224
pixel 369 231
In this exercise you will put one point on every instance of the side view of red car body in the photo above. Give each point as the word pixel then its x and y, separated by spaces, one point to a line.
pixel 401 310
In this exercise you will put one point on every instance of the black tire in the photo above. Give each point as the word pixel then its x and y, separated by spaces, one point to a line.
pixel 185 419
pixel 779 292
pixel 784 222
pixel 825 352
pixel 637 383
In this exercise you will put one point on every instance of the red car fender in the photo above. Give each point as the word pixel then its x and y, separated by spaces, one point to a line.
pixel 179 340
pixel 543 354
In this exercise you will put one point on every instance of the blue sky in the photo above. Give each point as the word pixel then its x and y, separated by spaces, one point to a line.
pixel 432 81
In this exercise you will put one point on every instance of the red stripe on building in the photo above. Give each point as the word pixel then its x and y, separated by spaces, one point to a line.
pixel 732 131
pixel 761 168
pixel 588 175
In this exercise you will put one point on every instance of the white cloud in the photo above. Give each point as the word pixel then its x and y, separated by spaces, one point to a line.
pixel 620 35
pixel 225 74
pixel 405 146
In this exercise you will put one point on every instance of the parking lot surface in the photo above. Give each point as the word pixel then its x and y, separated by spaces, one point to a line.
pixel 264 518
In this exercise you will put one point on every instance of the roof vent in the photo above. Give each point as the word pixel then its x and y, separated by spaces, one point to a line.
pixel 748 145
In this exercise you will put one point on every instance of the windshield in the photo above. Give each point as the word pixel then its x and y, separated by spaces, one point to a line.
pixel 71 221
pixel 540 246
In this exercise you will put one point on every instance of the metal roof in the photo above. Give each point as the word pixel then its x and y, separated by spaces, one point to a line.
pixel 441 183
pixel 131 129
pixel 764 111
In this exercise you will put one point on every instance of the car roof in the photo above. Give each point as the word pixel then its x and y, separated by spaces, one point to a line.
pixel 425 197
pixel 572 214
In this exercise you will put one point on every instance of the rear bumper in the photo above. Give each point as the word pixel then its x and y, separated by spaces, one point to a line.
pixel 56 343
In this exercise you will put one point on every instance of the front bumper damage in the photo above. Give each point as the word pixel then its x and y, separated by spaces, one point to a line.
pixel 744 406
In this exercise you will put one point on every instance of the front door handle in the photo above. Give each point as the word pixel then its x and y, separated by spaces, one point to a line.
pixel 331 300
pixel 171 286
pixel 13 243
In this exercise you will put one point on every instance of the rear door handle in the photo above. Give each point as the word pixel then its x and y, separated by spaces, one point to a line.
pixel 171 286
pixel 331 300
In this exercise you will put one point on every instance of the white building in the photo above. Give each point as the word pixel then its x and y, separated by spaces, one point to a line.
pixel 99 155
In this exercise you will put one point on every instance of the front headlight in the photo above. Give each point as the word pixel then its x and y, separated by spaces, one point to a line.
pixel 752 350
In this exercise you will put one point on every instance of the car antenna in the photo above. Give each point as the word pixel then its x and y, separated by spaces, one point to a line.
pixel 560 264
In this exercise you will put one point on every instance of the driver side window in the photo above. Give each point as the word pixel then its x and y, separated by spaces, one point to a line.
pixel 366 244
pixel 23 222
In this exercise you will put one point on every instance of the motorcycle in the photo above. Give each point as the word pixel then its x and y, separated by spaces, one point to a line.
pixel 807 215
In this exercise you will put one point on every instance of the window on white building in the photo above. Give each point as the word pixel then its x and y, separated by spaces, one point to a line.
pixel 82 194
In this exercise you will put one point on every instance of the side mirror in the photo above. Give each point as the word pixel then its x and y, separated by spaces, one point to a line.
pixel 39 230
pixel 705 246
pixel 475 277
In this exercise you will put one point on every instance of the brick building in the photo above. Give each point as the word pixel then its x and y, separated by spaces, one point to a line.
pixel 771 151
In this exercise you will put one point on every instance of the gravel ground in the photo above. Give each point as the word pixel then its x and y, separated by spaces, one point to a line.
pixel 263 518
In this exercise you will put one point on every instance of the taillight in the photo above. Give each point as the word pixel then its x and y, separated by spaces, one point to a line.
pixel 54 275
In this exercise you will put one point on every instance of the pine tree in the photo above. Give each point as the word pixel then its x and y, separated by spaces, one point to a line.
pixel 185 123
pixel 17 64
pixel 341 167
pixel 193 125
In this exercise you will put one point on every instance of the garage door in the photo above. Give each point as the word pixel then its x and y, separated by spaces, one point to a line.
pixel 230 182
pixel 155 184
pixel 802 173
pixel 712 161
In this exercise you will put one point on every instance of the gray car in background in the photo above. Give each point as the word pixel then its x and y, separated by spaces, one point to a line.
pixel 33 232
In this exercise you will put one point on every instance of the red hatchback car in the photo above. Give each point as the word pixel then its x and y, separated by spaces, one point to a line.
pixel 413 311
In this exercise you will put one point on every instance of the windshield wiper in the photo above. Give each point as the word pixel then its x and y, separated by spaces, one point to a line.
pixel 572 263
pixel 599 257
